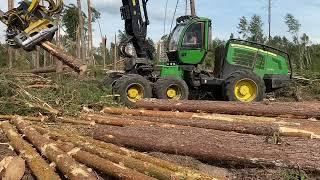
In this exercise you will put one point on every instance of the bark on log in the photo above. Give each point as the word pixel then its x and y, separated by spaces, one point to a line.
pixel 43 70
pixel 39 167
pixel 115 170
pixel 300 109
pixel 143 163
pixel 70 61
pixel 241 124
pixel 36 119
pixel 66 164
pixel 217 146
pixel 117 121
pixel 75 121
pixel 148 113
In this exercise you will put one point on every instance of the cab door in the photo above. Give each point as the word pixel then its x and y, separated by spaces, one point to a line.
pixel 192 46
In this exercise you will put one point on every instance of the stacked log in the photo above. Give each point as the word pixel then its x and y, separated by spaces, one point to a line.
pixel 296 110
pixel 38 166
pixel 64 162
pixel 144 164
pixel 217 146
pixel 241 124
pixel 103 165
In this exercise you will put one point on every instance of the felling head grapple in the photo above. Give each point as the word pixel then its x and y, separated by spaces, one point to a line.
pixel 31 23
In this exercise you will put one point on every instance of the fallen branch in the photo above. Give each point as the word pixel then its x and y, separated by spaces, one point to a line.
pixel 42 86
pixel 64 162
pixel 39 167
pixel 298 110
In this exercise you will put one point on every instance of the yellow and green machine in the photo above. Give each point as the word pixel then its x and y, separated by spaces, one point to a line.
pixel 31 23
pixel 243 71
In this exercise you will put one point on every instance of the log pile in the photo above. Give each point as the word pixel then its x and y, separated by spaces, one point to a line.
pixel 276 109
pixel 281 139
pixel 79 157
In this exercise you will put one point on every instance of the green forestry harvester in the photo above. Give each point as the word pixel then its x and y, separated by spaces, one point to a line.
pixel 243 71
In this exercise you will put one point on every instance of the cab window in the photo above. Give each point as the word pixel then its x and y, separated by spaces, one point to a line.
pixel 193 37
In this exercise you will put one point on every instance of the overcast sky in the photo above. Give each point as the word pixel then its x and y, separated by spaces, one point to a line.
pixel 224 13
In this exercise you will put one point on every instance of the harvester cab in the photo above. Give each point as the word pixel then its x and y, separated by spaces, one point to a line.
pixel 31 23
pixel 189 42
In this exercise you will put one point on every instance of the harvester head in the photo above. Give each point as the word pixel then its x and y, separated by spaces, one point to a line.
pixel 30 23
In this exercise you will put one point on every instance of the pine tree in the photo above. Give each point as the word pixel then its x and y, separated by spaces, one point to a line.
pixel 243 28
pixel 255 29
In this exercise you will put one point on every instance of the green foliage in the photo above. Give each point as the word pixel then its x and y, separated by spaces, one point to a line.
pixel 73 94
pixel 256 29
pixel 252 30
pixel 243 27
pixel 292 23
pixel 293 175
pixel 70 19
pixel 69 98
pixel 209 61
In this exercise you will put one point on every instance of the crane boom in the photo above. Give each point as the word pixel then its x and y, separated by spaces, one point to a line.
pixel 136 18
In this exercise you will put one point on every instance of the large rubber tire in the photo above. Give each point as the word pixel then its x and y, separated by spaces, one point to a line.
pixel 110 80
pixel 123 85
pixel 163 85
pixel 229 90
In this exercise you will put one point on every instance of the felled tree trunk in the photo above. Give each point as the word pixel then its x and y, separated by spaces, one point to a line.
pixel 241 124
pixel 103 165
pixel 43 70
pixel 39 167
pixel 142 163
pixel 65 163
pixel 217 146
pixel 70 61
pixel 301 110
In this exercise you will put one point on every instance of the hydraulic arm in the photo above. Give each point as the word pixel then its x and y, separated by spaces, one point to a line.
pixel 135 14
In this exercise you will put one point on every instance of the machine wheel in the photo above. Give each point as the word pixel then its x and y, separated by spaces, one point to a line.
pixel 110 79
pixel 172 89
pixel 132 88
pixel 244 86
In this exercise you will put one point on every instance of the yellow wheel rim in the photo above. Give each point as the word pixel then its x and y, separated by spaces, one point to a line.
pixel 135 93
pixel 174 93
pixel 246 90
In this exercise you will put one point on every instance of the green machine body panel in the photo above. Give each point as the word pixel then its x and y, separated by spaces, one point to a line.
pixel 173 71
pixel 193 57
pixel 261 61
